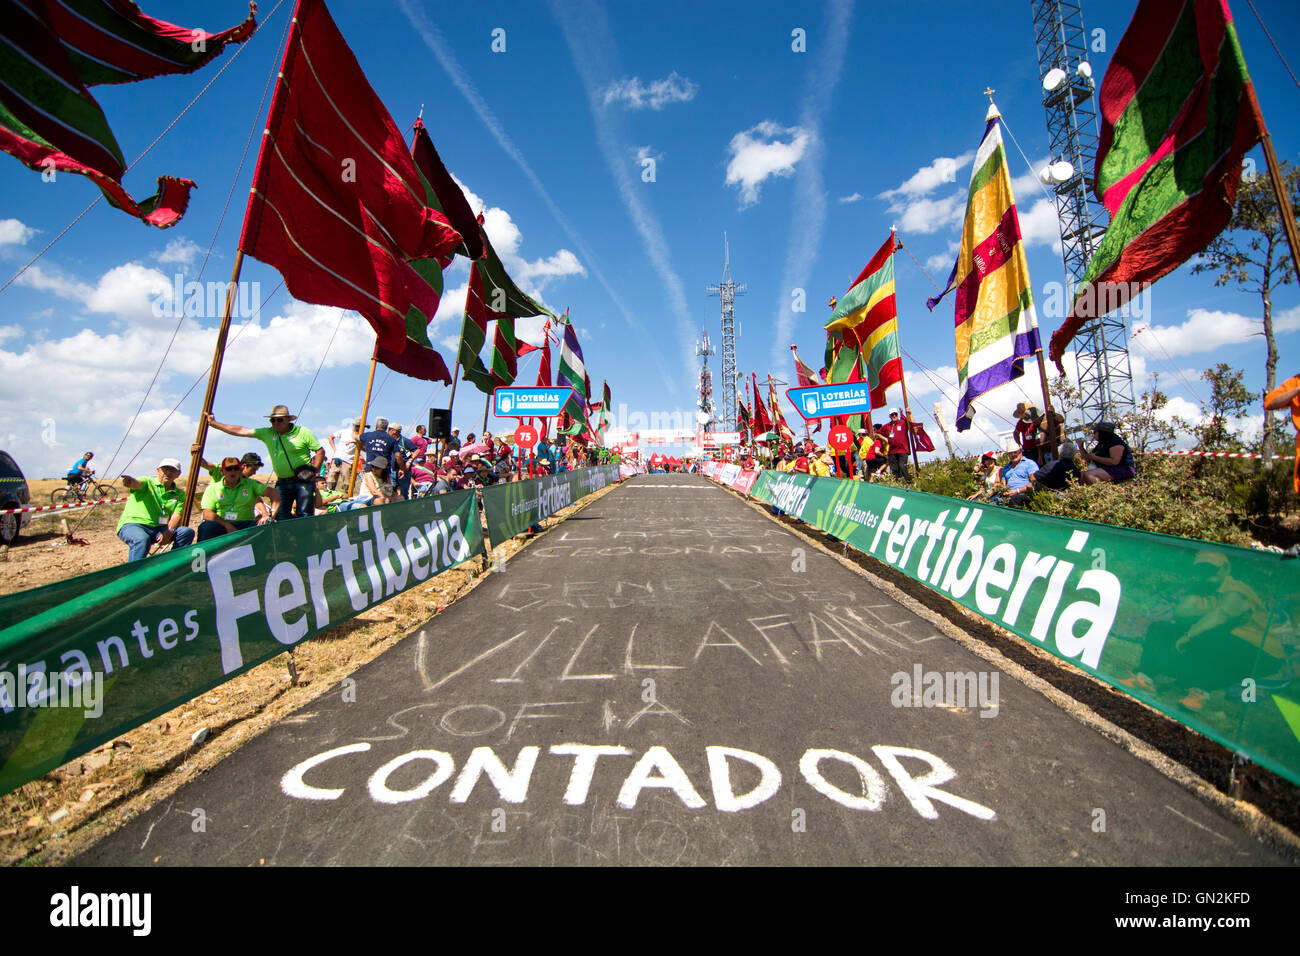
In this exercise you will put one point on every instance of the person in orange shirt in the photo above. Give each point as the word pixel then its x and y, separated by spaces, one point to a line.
pixel 1288 394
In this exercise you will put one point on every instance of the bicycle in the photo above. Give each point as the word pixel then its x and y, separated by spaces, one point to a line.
pixel 86 490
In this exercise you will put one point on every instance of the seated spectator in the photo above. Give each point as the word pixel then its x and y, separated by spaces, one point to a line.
pixel 1060 473
pixel 986 477
pixel 821 464
pixel 327 501
pixel 1111 456
pixel 152 514
pixel 1013 487
pixel 228 505
pixel 375 487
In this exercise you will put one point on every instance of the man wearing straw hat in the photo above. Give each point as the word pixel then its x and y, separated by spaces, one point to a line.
pixel 296 456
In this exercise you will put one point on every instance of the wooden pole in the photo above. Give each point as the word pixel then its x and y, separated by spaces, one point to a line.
pixel 907 424
pixel 487 404
pixel 1053 430
pixel 365 410
pixel 191 480
pixel 1279 186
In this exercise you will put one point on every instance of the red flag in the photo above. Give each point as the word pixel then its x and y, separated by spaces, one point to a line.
pixel 337 205
pixel 544 369
pixel 762 421
pixel 920 439
pixel 56 51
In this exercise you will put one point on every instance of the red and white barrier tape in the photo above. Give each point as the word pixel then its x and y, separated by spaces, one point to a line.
pixel 1219 454
pixel 80 504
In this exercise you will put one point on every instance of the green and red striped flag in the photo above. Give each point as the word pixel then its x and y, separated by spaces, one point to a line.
pixel 418 358
pixel 492 296
pixel 1179 113
pixel 54 50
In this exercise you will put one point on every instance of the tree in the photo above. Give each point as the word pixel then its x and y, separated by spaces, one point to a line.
pixel 1253 253
pixel 1228 398
pixel 1142 428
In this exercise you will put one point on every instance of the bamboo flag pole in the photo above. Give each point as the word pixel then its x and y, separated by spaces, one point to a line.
pixel 196 455
pixel 365 410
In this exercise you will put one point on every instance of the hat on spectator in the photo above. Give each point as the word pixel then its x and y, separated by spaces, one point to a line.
pixel 379 462
pixel 990 454
pixel 229 462
pixel 1101 425
pixel 282 411
pixel 170 463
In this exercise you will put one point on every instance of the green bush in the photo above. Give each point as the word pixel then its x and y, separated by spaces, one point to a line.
pixel 1225 500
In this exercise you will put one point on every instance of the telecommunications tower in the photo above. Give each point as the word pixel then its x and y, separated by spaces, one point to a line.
pixel 704 349
pixel 1105 375
pixel 727 292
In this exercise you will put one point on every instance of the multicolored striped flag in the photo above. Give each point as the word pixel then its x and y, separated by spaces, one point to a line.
pixel 1179 114
pixel 866 319
pixel 573 372
pixel 54 50
pixel 997 327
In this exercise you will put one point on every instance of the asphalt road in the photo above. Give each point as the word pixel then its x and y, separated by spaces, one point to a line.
pixel 670 678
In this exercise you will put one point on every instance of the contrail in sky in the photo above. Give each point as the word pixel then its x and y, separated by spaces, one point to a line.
pixel 810 197
pixel 434 40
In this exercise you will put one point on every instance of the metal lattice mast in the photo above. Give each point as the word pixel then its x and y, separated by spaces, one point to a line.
pixel 1105 374
pixel 704 349
pixel 727 292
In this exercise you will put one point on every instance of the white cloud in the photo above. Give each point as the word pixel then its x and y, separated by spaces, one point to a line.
pixel 10 332
pixel 1206 331
pixel 928 178
pixel 943 261
pixel 14 233
pixel 65 288
pixel 758 153
pixel 1039 224
pixel 636 96
pixel 931 215
pixel 180 250
pixel 854 198
pixel 563 263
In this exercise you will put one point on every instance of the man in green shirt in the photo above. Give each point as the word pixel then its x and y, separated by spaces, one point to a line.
pixel 296 456
pixel 153 512
pixel 228 504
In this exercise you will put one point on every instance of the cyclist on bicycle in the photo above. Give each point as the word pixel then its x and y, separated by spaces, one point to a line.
pixel 81 471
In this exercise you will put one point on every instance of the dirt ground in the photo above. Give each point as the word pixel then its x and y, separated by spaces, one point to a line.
pixel 52 818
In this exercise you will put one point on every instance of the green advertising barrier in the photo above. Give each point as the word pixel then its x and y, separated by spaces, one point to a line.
pixel 1206 633
pixel 516 506
pixel 85 660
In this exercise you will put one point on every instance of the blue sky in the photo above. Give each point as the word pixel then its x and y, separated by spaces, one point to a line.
pixel 804 159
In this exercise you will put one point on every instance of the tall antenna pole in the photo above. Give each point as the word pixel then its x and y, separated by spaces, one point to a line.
pixel 727 293
pixel 704 350
pixel 1105 375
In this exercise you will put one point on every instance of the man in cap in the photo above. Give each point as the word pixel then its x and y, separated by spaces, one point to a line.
pixel 379 443
pixel 898 434
pixel 296 457
pixel 343 449
pixel 405 453
pixel 153 512
pixel 230 504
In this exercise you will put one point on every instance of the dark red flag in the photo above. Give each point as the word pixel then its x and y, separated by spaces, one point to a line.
pixel 337 205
